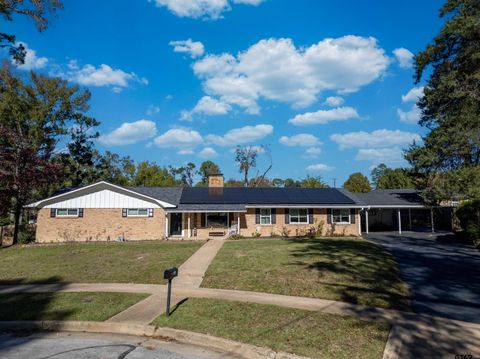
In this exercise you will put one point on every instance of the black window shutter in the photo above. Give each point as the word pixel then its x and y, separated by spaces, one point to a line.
pixel 329 216
pixel 274 215
pixel 352 215
pixel 203 220
pixel 80 212
pixel 287 216
pixel 310 215
pixel 257 215
pixel 150 212
pixel 53 212
pixel 124 212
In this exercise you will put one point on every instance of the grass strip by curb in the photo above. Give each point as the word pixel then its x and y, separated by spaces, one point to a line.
pixel 312 334
pixel 86 306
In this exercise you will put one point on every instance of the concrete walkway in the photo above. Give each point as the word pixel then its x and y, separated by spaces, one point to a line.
pixel 191 273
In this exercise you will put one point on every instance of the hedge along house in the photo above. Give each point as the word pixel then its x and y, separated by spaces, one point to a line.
pixel 103 211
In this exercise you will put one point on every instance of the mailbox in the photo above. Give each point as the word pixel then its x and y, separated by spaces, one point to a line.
pixel 170 273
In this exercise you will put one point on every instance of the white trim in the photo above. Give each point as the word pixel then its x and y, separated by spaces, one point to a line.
pixel 265 216
pixel 205 211
pixel 304 206
pixel 161 203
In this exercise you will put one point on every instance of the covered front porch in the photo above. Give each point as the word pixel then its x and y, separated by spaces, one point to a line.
pixel 203 224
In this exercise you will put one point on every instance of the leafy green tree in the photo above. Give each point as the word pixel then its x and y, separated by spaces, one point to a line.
pixel 35 113
pixel 391 178
pixel 246 158
pixel 312 182
pixel 37 10
pixel 151 174
pixel 357 182
pixel 451 101
pixel 112 168
pixel 207 168
pixel 186 173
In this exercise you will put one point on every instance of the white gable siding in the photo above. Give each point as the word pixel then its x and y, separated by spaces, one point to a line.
pixel 103 199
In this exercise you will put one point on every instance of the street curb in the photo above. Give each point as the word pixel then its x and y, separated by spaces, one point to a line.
pixel 246 351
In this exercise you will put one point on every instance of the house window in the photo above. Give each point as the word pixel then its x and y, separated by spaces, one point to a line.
pixel 299 215
pixel 217 220
pixel 265 216
pixel 137 212
pixel 341 216
pixel 64 212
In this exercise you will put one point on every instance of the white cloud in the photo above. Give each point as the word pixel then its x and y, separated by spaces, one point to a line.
pixel 334 101
pixel 201 9
pixel 376 139
pixel 193 48
pixel 302 139
pixel 153 110
pixel 207 106
pixel 323 117
pixel 32 61
pixel 404 57
pixel 413 95
pixel 380 155
pixel 183 139
pixel 239 136
pixel 319 167
pixel 277 70
pixel 411 116
pixel 104 75
pixel 208 152
pixel 312 152
pixel 129 133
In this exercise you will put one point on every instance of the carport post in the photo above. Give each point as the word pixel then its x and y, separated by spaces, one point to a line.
pixel 431 219
pixel 410 218
pixel 238 224
pixel 366 220
pixel 399 222
pixel 188 219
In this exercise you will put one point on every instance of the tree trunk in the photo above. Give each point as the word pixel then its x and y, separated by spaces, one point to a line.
pixel 17 213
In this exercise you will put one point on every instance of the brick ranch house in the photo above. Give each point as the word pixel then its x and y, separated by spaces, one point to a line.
pixel 104 211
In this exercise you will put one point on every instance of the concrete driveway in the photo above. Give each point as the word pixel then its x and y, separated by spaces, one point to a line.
pixel 444 277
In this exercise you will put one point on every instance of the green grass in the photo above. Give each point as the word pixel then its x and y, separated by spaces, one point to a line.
pixel 350 270
pixel 65 306
pixel 312 334
pixel 93 262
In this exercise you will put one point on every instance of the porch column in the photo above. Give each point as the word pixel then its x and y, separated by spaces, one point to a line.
pixel 410 218
pixel 431 219
pixel 188 219
pixel 359 221
pixel 366 220
pixel 238 224
pixel 166 225
pixel 399 221
pixel 183 225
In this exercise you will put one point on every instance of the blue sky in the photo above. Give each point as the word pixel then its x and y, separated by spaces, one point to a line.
pixel 327 85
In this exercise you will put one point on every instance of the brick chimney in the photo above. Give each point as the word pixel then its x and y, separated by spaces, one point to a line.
pixel 215 180
pixel 215 184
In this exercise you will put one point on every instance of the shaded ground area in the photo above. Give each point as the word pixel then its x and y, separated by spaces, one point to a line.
pixel 105 346
pixel 313 334
pixel 93 262
pixel 444 276
pixel 350 270
pixel 65 306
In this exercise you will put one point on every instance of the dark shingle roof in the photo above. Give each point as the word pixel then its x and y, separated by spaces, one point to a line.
pixel 391 197
pixel 167 194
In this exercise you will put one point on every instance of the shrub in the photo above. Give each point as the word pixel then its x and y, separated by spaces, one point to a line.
pixel 26 234
pixel 468 215
pixel 236 237
pixel 256 234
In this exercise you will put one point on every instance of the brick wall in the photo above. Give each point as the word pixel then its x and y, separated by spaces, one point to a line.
pixel 99 224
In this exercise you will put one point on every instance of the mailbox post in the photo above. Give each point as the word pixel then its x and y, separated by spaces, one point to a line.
pixel 169 274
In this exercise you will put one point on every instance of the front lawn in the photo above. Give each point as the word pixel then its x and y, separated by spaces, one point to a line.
pixel 93 262
pixel 345 269
pixel 312 334
pixel 65 306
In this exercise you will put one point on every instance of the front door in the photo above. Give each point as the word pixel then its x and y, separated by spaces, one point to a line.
pixel 175 224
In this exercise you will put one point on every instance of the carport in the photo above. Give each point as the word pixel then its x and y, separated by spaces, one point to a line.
pixel 395 210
